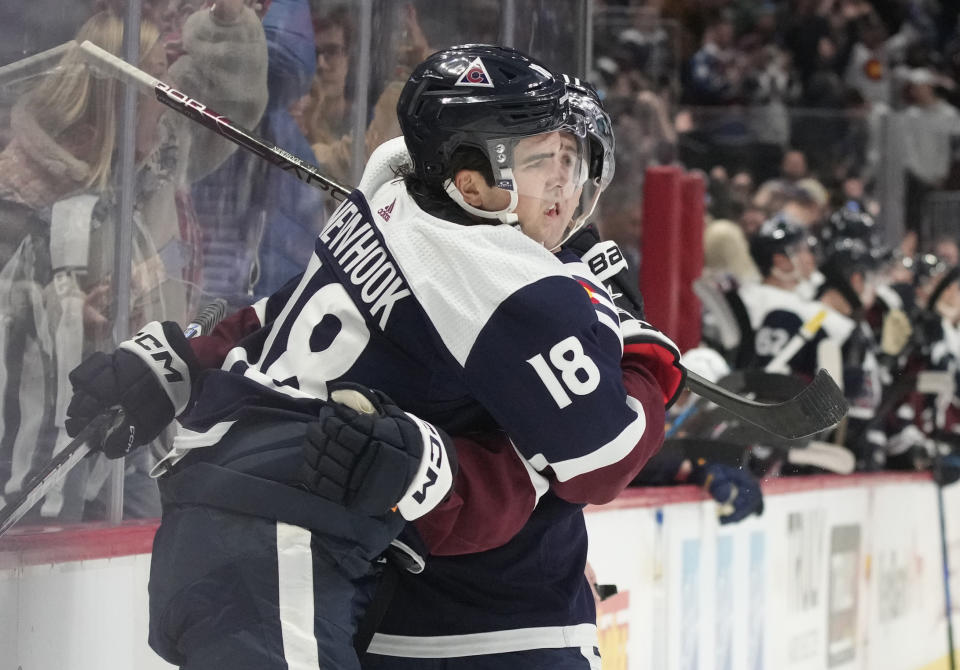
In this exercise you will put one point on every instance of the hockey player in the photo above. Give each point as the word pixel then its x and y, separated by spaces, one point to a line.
pixel 849 287
pixel 776 312
pixel 440 290
pixel 524 604
pixel 935 346
pixel 885 310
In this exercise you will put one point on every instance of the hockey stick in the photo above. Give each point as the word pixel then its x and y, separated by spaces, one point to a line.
pixel 819 406
pixel 77 449
pixel 32 65
pixel 216 122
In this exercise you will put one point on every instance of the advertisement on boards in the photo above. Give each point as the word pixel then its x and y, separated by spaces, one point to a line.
pixel 831 578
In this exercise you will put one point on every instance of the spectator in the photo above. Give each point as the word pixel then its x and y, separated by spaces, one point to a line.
pixel 769 88
pixel 326 115
pixel 259 224
pixel 726 251
pixel 794 166
pixel 869 69
pixel 715 76
pixel 806 203
pixel 752 218
pixel 646 45
pixel 806 35
pixel 927 126
pixel 58 173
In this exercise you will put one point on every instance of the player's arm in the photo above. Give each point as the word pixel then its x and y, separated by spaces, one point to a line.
pixel 465 495
pixel 583 408
pixel 211 350
pixel 494 492
pixel 150 376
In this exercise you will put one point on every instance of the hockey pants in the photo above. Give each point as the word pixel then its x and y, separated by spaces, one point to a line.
pixel 233 588
pixel 570 658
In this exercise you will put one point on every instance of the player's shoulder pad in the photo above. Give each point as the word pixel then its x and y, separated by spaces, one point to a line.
pixel 382 166
pixel 461 275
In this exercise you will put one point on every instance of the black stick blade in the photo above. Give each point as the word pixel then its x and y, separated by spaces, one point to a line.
pixel 820 405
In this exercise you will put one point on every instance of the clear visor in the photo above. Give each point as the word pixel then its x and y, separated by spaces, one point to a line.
pixel 551 167
pixel 804 262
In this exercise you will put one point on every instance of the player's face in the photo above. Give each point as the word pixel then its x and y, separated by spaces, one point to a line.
pixel 546 169
pixel 803 258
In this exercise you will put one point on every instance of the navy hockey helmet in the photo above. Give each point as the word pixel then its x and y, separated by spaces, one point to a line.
pixel 478 96
pixel 585 103
pixel 850 221
pixel 843 258
pixel 777 235
pixel 932 276
pixel 928 266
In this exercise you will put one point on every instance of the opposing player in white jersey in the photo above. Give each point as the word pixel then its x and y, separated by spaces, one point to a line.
pixel 442 291
pixel 776 312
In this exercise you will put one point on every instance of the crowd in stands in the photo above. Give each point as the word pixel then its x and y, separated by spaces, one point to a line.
pixel 731 87
pixel 784 105
pixel 793 110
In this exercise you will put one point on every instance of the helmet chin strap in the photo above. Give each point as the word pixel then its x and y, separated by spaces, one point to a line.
pixel 505 215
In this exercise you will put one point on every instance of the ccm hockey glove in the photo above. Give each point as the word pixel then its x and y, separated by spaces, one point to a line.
pixel 736 491
pixel 367 454
pixel 148 377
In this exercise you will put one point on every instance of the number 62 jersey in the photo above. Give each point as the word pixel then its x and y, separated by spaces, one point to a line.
pixel 471 327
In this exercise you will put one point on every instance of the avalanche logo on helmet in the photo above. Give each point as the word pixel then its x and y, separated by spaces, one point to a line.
pixel 475 75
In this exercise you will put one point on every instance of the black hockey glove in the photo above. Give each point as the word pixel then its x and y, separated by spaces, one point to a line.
pixel 148 377
pixel 608 264
pixel 367 454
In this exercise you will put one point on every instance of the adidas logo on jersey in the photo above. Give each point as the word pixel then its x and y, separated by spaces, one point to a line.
pixel 353 242
pixel 475 75
pixel 385 212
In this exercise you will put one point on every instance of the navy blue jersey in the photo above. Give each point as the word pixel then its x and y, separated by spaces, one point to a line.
pixel 469 327
pixel 776 315
pixel 530 593
pixel 476 329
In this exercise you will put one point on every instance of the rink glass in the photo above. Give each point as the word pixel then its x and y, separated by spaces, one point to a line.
pixel 363 55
